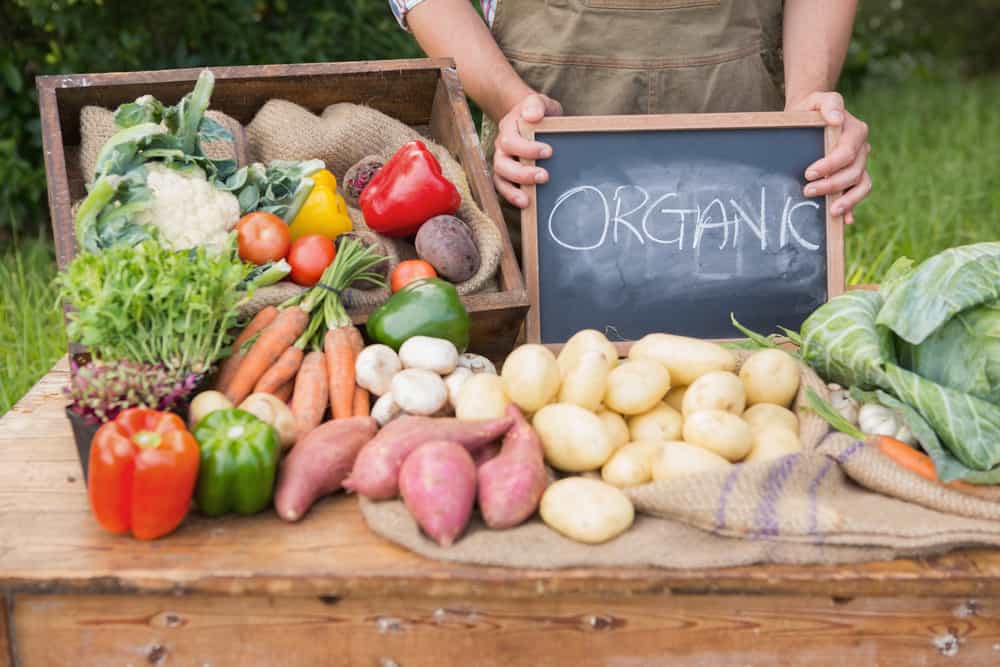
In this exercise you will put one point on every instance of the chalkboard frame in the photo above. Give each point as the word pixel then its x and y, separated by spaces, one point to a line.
pixel 668 122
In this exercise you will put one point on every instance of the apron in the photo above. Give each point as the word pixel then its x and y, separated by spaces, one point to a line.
pixel 609 57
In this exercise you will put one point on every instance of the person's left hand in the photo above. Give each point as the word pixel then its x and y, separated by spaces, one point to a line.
pixel 844 169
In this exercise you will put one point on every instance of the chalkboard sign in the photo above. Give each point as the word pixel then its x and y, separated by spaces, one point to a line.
pixel 670 223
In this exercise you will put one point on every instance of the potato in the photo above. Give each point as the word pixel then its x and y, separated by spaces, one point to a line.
pixel 586 510
pixel 585 383
pixel 764 415
pixel 632 464
pixel 719 431
pixel 773 443
pixel 205 403
pixel 679 459
pixel 481 397
pixel 448 245
pixel 661 423
pixel 716 390
pixel 687 359
pixel 531 377
pixel 574 439
pixel 580 342
pixel 675 398
pixel 770 376
pixel 636 386
pixel 274 411
pixel 616 428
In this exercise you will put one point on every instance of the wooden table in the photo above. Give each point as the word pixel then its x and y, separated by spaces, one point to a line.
pixel 256 591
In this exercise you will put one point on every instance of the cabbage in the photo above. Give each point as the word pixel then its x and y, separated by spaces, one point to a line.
pixel 942 323
pixel 964 354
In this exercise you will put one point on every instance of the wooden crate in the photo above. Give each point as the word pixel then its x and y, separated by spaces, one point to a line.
pixel 425 94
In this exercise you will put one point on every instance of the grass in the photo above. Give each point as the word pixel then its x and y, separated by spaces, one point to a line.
pixel 32 334
pixel 935 169
pixel 934 165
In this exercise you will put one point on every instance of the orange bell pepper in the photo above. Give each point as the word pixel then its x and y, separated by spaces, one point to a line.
pixel 143 468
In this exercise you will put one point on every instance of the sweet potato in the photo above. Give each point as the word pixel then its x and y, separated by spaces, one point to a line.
pixel 318 464
pixel 376 472
pixel 511 485
pixel 487 453
pixel 438 485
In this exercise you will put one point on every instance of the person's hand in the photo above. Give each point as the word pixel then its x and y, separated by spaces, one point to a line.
pixel 508 173
pixel 844 169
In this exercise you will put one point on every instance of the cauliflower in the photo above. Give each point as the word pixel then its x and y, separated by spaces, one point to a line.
pixel 187 210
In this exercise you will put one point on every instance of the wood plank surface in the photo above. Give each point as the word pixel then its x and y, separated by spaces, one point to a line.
pixel 6 632
pixel 49 542
pixel 587 631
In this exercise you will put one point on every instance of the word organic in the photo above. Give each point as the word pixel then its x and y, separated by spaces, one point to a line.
pixel 587 218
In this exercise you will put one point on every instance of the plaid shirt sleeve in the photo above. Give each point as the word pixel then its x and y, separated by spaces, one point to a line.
pixel 401 7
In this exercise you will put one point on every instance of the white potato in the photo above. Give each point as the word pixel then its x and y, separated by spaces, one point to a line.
pixel 675 397
pixel 271 409
pixel 616 428
pixel 580 342
pixel 773 443
pixel 770 376
pixel 687 359
pixel 205 403
pixel 636 385
pixel 765 415
pixel 573 439
pixel 431 354
pixel 661 423
pixel 719 431
pixel 418 391
pixel 586 510
pixel 531 377
pixel 632 464
pixel 715 390
pixel 585 383
pixel 481 397
pixel 680 459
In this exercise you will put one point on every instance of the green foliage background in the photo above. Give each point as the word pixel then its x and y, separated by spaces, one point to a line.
pixel 893 40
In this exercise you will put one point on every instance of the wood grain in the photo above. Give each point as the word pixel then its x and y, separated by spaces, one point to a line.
pixel 6 633
pixel 584 632
pixel 49 542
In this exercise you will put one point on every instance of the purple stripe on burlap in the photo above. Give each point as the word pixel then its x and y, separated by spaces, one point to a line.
pixel 818 481
pixel 767 512
pixel 727 488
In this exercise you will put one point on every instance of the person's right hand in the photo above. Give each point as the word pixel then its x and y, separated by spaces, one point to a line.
pixel 508 173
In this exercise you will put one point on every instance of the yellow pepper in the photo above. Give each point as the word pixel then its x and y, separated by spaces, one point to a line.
pixel 324 211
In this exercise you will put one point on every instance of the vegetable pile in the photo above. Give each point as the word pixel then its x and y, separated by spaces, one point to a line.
pixel 925 345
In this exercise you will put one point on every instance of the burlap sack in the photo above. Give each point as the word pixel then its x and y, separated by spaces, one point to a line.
pixel 344 134
pixel 97 125
pixel 839 501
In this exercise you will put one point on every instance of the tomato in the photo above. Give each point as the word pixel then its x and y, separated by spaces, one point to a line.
pixel 408 271
pixel 262 237
pixel 309 256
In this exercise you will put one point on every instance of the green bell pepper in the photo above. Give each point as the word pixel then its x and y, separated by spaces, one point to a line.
pixel 239 458
pixel 427 307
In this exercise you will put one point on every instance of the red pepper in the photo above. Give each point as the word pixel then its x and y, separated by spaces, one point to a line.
pixel 143 468
pixel 407 192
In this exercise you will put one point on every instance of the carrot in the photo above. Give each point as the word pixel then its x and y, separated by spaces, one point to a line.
pixel 311 393
pixel 229 366
pixel 272 343
pixel 361 404
pixel 340 358
pixel 283 371
pixel 284 392
pixel 905 456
